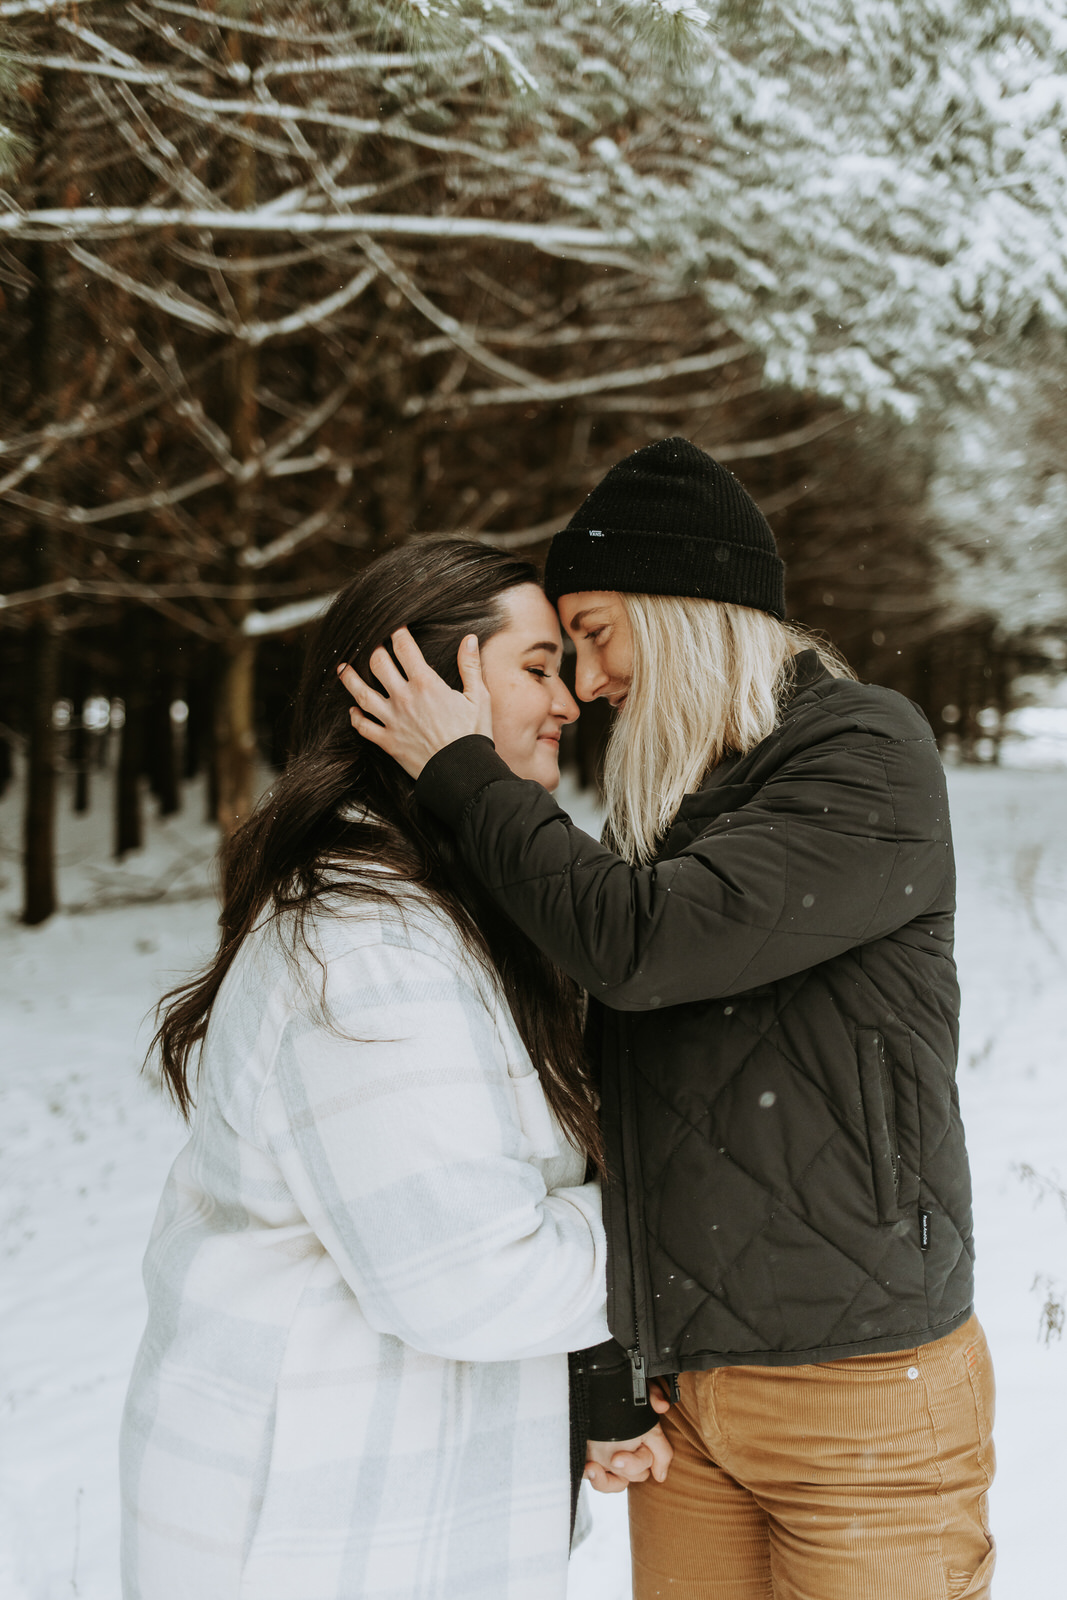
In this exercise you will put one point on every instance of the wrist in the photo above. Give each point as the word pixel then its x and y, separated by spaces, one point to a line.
pixel 454 776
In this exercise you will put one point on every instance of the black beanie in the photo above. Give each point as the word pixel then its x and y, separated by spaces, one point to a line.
pixel 669 520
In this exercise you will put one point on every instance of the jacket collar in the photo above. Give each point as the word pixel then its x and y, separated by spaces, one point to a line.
pixel 807 670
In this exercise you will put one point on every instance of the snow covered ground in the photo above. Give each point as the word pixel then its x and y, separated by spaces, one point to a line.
pixel 85 1142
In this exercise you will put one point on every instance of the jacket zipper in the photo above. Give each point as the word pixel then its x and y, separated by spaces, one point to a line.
pixel 638 1361
pixel 638 1364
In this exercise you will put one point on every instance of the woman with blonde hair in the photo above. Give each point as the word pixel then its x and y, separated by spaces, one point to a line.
pixel 765 936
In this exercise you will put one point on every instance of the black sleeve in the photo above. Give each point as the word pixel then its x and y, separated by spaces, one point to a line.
pixel 607 1379
pixel 845 843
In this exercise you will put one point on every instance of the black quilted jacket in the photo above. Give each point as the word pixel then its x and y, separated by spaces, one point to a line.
pixel 774 1007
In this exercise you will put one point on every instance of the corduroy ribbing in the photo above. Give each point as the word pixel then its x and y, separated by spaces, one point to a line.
pixel 635 562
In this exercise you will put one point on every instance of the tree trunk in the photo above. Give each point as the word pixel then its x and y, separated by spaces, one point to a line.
pixel 39 820
pixel 80 754
pixel 235 747
pixel 161 752
pixel 235 739
pixel 200 746
pixel 42 548
pixel 129 825
pixel 7 764
pixel 199 735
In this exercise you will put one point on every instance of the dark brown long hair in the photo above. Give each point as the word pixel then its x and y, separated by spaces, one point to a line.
pixel 342 806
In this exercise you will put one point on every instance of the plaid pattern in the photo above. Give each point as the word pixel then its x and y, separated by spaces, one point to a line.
pixel 367 1267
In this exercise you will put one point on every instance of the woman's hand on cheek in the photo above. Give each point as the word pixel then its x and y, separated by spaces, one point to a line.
pixel 418 714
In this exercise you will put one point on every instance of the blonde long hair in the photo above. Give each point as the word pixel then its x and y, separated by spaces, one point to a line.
pixel 709 680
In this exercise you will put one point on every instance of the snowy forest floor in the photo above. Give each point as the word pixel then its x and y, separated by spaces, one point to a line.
pixel 85 1143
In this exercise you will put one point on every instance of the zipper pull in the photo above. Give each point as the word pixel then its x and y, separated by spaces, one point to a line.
pixel 637 1362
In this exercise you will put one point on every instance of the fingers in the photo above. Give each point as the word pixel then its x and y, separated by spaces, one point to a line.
pixel 603 1481
pixel 388 674
pixel 633 1465
pixel 650 1459
pixel 417 714
pixel 657 1398
pixel 662 1453
pixel 408 654
pixel 632 1461
pixel 366 698
pixel 366 726
pixel 469 661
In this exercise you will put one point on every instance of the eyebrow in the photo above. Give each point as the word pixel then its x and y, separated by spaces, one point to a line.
pixel 578 620
pixel 545 644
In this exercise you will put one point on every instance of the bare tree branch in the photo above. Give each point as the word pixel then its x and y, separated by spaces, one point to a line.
pixel 301 428
pixel 354 61
pixel 305 533
pixel 516 163
pixel 28 467
pixel 237 266
pixel 292 466
pixel 118 587
pixel 521 537
pixel 173 167
pixel 572 387
pixel 110 52
pixel 560 338
pixel 452 329
pixel 789 497
pixel 258 30
pixel 671 404
pixel 175 302
pixel 90 69
pixel 87 516
pixel 749 449
pixel 88 422
pixel 175 385
pixel 222 65
pixel 34 8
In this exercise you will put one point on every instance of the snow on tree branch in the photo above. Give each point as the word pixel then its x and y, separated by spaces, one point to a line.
pixel 84 222
pixel 260 624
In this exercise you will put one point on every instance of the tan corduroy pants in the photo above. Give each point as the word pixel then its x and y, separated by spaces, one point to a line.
pixel 863 1479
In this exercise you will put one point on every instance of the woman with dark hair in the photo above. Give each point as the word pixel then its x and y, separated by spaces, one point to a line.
pixel 379 1244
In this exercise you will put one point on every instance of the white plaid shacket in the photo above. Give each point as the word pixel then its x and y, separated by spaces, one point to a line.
pixel 368 1264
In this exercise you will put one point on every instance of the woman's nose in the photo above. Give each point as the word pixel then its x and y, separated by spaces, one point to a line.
pixel 589 677
pixel 563 703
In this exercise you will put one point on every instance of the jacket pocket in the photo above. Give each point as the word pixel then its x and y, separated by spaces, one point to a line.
pixel 879 1112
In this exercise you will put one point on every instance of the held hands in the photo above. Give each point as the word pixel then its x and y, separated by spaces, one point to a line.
pixel 613 1465
pixel 418 714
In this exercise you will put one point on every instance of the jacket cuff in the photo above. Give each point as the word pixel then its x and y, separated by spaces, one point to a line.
pixel 609 1386
pixel 456 775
